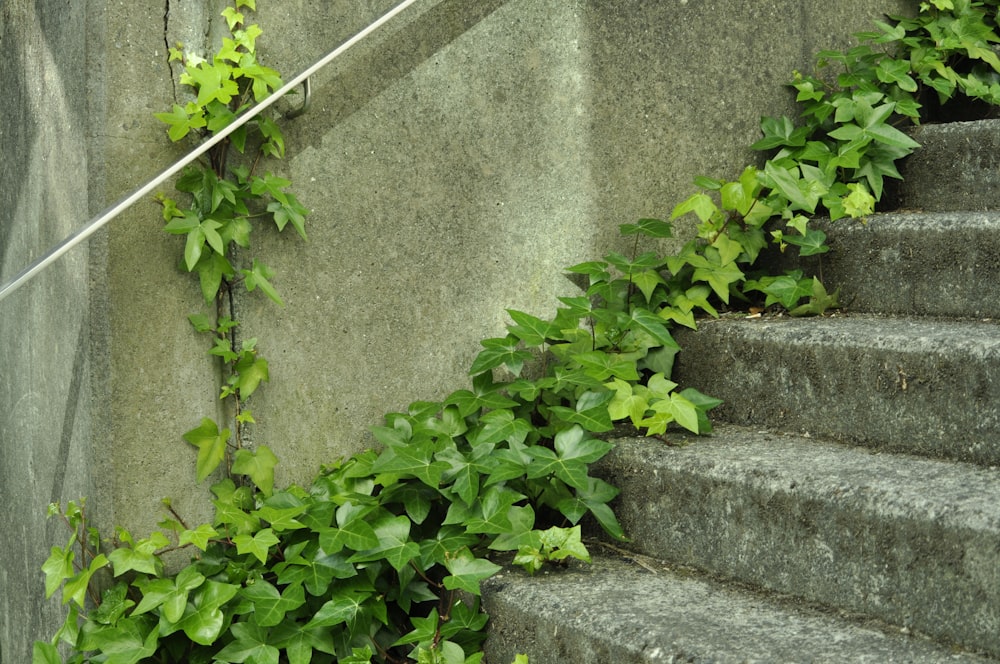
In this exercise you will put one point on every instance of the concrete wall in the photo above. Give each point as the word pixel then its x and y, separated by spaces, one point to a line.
pixel 45 393
pixel 454 164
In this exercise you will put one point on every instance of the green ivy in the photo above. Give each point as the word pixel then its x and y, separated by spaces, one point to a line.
pixel 381 557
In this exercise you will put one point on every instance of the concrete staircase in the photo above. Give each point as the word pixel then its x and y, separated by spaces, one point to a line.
pixel 847 507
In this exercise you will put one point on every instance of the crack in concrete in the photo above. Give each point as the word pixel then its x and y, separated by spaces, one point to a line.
pixel 166 45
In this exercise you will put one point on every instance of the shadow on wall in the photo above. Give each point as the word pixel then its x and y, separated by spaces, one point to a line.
pixel 45 402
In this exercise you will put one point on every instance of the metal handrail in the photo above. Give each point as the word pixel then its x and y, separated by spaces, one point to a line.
pixel 113 211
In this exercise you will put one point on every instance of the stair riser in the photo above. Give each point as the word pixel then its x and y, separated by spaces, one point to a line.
pixel 956 168
pixel 913 264
pixel 884 383
pixel 854 550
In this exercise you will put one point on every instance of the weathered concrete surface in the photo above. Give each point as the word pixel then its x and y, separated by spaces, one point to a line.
pixel 45 391
pixel 160 382
pixel 921 386
pixel 908 540
pixel 916 264
pixel 962 154
pixel 459 162
pixel 620 612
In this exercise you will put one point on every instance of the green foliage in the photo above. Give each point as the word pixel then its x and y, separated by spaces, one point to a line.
pixel 847 140
pixel 381 557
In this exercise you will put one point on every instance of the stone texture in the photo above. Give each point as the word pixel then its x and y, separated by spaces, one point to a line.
pixel 921 386
pixel 908 540
pixel 621 612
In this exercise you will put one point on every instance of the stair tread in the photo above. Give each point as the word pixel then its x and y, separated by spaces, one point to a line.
pixel 913 334
pixel 618 611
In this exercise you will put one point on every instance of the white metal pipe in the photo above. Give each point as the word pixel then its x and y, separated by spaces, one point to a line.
pixel 113 211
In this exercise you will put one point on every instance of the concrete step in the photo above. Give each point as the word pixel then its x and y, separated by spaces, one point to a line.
pixel 616 611
pixel 911 541
pixel 930 264
pixel 928 387
pixel 956 168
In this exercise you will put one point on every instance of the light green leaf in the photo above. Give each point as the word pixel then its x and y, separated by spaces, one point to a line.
pixel 701 204
pixel 655 228
pixel 467 571
pixel 258 466
pixel 257 545
pixel 211 444
pixel 258 277
pixel 530 329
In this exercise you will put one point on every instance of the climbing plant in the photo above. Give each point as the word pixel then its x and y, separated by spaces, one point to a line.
pixel 380 558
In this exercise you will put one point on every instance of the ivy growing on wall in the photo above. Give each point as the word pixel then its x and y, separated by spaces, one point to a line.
pixel 380 557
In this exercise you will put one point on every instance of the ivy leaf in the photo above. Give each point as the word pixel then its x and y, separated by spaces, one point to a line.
pixel 818 303
pixel 701 204
pixel 257 545
pixel 655 228
pixel 200 536
pixel 394 545
pixel 595 498
pixel 299 642
pixel 490 514
pixel 467 571
pixel 811 243
pixel 792 187
pixel 414 460
pixel 203 618
pixel 786 290
pixel 127 642
pixel 282 518
pixel 181 122
pixel 445 542
pixel 212 268
pixel 601 366
pixel 45 653
pixel 258 276
pixel 170 594
pixel 352 531
pixel 499 352
pixel 211 444
pixel 250 645
pixel 76 587
pixel 574 450
pixel 258 466
pixel 501 426
pixel 654 326
pixel 141 558
pixel 233 17
pixel 780 132
pixel 562 543
pixel 719 278
pixel 212 81
pixel 57 567
pixel 626 404
pixel 269 605
pixel 647 282
pixel 592 411
pixel 531 330
pixel 251 370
